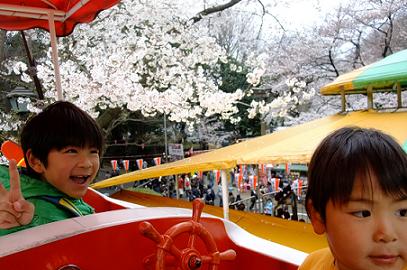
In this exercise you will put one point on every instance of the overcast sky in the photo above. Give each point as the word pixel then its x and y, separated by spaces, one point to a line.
pixel 300 13
pixel 293 13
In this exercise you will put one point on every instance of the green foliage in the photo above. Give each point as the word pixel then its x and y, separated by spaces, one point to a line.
pixel 231 81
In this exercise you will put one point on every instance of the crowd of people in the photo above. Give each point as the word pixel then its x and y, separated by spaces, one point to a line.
pixel 278 197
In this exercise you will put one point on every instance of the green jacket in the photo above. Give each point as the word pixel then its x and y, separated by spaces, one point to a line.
pixel 46 211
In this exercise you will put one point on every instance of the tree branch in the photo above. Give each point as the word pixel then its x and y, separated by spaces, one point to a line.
pixel 262 19
pixel 213 9
pixel 331 60
pixel 277 21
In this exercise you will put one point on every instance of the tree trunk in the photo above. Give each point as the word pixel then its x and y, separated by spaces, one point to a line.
pixel 106 118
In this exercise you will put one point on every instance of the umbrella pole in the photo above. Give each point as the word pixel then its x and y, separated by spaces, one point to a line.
pixel 369 97
pixel 343 100
pixel 54 48
pixel 225 194
pixel 399 101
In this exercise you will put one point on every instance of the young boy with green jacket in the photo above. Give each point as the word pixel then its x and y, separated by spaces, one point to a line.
pixel 61 148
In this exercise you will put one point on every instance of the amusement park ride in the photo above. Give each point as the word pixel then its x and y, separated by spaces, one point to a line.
pixel 123 235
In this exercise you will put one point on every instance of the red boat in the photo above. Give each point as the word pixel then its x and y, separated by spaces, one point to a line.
pixel 123 235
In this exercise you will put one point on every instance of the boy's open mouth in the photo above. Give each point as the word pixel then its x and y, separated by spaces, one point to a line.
pixel 80 179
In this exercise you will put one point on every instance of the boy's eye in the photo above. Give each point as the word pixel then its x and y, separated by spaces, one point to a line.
pixel 70 150
pixel 402 212
pixel 362 214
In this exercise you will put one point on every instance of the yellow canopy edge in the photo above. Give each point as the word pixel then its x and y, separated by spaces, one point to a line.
pixel 294 144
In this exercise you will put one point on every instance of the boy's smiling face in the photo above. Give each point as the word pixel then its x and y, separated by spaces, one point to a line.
pixel 70 169
pixel 367 233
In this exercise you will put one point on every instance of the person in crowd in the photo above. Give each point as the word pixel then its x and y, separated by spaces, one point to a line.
pixel 268 207
pixel 286 214
pixel 239 204
pixel 231 200
pixel 269 187
pixel 294 217
pixel 279 213
pixel 253 199
pixel 357 197
pixel 201 188
pixel 180 184
pixel 194 180
pixel 195 193
pixel 187 186
pixel 210 196
pixel 264 189
pixel 219 194
pixel 61 147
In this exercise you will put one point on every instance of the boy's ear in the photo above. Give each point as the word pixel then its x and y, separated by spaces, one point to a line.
pixel 34 162
pixel 316 220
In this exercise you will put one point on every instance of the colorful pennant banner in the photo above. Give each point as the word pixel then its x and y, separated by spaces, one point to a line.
pixel 254 181
pixel 262 168
pixel 217 176
pixel 114 164
pixel 126 164
pixel 139 163
pixel 157 160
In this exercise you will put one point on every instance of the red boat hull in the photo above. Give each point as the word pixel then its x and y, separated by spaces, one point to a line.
pixel 112 240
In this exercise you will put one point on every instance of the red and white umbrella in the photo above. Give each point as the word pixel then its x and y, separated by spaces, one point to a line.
pixel 59 17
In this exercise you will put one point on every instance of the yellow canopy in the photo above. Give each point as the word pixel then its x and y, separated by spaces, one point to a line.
pixel 294 144
pixel 300 146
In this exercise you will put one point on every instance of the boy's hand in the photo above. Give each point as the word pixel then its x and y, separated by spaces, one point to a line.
pixel 14 209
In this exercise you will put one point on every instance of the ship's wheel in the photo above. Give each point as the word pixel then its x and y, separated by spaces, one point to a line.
pixel 188 258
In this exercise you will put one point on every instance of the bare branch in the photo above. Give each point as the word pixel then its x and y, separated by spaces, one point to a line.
pixel 262 19
pixel 331 60
pixel 213 9
pixel 388 38
pixel 277 21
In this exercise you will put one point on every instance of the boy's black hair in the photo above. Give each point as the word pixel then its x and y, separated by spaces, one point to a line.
pixel 350 152
pixel 59 125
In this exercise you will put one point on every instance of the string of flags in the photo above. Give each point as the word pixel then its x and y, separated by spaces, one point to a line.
pixel 239 175
pixel 262 168
pixel 139 162
pixel 114 164
pixel 126 164
pixel 157 160
pixel 217 176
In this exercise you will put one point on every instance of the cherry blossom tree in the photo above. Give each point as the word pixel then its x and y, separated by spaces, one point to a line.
pixel 155 62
